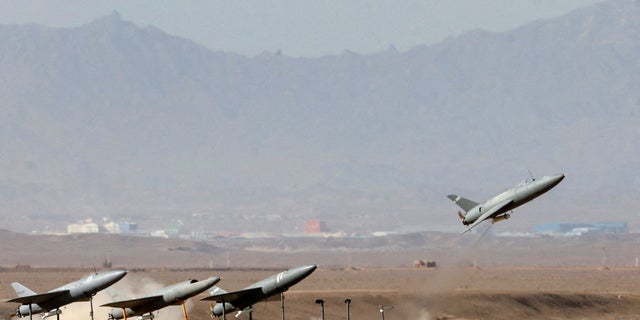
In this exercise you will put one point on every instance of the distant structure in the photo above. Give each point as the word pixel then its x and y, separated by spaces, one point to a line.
pixel 87 226
pixel 315 226
pixel 174 229
pixel 577 229
pixel 121 227
pixel 418 264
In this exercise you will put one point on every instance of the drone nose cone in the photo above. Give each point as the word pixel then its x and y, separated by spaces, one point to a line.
pixel 309 269
pixel 548 182
pixel 211 281
pixel 304 271
pixel 555 179
pixel 106 279
pixel 116 274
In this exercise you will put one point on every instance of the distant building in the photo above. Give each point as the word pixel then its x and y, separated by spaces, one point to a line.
pixel 87 226
pixel 121 227
pixel 576 229
pixel 315 226
pixel 174 229
pixel 111 227
pixel 128 227
pixel 159 234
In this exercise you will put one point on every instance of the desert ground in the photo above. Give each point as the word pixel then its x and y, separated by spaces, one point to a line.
pixel 443 293
pixel 475 278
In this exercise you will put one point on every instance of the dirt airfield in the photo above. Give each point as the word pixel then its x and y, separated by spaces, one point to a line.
pixel 496 278
pixel 444 293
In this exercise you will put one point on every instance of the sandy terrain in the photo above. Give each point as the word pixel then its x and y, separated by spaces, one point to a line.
pixel 531 278
pixel 464 293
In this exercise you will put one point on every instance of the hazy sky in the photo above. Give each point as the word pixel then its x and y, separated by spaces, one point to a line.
pixel 298 27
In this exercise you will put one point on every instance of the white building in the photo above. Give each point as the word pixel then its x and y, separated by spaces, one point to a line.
pixel 84 227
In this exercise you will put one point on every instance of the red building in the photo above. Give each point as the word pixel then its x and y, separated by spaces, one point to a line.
pixel 315 226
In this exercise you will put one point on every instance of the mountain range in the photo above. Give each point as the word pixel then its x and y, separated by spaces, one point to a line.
pixel 111 119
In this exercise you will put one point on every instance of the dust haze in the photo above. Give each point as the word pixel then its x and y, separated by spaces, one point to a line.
pixel 131 286
pixel 173 137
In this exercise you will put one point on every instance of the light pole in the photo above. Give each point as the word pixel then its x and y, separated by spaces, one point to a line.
pixel 281 304
pixel 348 302
pixel 321 303
pixel 382 308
